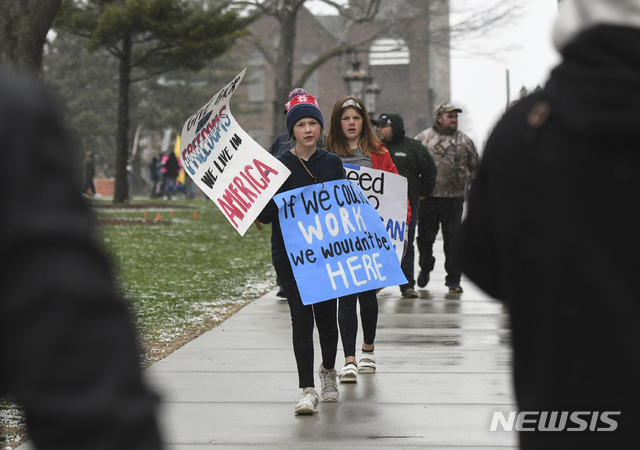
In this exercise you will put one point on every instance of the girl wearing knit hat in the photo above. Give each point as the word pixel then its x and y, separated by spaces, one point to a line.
pixel 351 136
pixel 308 165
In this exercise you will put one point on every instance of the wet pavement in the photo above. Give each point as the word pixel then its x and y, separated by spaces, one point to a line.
pixel 443 370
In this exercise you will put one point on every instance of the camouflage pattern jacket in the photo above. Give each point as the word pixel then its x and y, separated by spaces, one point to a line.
pixel 456 159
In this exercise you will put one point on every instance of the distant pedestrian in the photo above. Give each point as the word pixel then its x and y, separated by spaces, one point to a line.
pixel 308 165
pixel 456 160
pixel 155 176
pixel 351 136
pixel 68 351
pixel 552 231
pixel 414 162
pixel 89 171
pixel 172 170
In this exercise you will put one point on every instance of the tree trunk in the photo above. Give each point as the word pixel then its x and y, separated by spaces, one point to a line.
pixel 121 194
pixel 24 25
pixel 284 69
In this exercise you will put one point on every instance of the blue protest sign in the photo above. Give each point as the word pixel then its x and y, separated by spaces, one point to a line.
pixel 336 242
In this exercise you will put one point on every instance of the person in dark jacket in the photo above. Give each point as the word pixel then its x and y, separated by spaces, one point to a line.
pixel 68 350
pixel 172 170
pixel 413 161
pixel 89 171
pixel 155 175
pixel 308 165
pixel 552 231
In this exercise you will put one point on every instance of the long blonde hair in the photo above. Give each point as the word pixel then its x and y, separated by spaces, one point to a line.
pixel 336 140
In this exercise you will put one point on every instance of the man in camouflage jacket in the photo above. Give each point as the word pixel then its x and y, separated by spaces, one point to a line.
pixel 456 160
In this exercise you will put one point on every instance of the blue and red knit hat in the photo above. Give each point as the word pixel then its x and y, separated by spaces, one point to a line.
pixel 301 105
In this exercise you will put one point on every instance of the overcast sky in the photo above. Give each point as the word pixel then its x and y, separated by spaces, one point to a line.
pixel 479 66
pixel 478 84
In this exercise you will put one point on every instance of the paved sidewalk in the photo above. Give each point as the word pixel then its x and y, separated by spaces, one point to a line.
pixel 443 369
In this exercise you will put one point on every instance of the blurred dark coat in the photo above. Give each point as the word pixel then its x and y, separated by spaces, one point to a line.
pixel 67 349
pixel 553 230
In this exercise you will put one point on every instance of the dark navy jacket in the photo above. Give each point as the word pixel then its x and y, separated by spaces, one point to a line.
pixel 323 165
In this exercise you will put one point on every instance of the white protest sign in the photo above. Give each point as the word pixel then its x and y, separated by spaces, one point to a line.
pixel 387 193
pixel 226 163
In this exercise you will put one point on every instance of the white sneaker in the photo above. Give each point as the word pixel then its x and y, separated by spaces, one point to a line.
pixel 367 363
pixel 308 402
pixel 329 391
pixel 349 373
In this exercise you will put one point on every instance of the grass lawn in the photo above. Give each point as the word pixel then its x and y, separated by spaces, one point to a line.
pixel 181 275
pixel 187 274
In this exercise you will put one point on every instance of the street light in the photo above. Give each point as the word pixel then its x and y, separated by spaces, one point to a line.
pixel 356 80
pixel 371 96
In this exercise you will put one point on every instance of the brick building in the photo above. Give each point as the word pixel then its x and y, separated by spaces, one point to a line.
pixel 408 59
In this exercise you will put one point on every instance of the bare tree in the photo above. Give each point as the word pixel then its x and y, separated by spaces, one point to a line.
pixel 24 25
pixel 148 38
pixel 281 58
pixel 387 17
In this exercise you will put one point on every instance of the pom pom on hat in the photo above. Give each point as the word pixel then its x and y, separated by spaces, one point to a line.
pixel 301 105
pixel 296 92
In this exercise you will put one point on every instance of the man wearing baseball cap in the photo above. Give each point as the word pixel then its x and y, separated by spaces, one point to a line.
pixel 413 162
pixel 456 160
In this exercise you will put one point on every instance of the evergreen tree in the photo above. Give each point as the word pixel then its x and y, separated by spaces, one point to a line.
pixel 87 85
pixel 148 38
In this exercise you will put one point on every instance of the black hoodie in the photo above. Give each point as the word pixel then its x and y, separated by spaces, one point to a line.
pixel 412 159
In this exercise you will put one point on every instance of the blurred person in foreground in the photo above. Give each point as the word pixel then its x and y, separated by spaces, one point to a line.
pixel 68 349
pixel 552 231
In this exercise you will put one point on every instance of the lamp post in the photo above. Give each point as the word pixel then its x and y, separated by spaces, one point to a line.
pixel 371 96
pixel 360 84
pixel 356 80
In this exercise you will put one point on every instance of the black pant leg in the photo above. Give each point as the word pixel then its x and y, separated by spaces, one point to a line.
pixel 369 315
pixel 408 260
pixel 451 219
pixel 325 313
pixel 348 321
pixel 302 325
pixel 428 226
